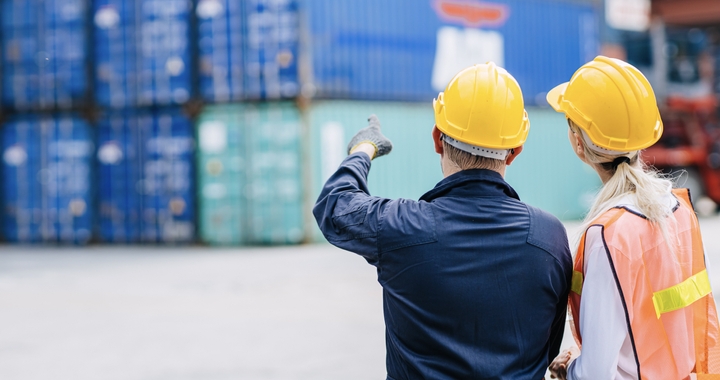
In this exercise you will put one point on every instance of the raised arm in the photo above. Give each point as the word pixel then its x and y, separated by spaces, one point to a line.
pixel 346 213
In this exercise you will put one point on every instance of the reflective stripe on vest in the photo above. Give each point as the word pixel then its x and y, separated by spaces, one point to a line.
pixel 577 283
pixel 670 299
pixel 683 294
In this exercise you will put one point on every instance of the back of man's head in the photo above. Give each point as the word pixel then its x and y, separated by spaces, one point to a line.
pixel 465 161
pixel 482 117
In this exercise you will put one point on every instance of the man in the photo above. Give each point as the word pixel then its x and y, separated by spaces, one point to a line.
pixel 475 282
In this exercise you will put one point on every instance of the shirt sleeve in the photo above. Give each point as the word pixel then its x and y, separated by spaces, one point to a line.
pixel 602 316
pixel 346 213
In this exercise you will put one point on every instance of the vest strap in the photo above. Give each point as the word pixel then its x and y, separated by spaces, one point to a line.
pixel 681 295
pixel 577 282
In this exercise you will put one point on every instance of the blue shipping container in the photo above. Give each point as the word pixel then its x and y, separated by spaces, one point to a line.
pixel 248 49
pixel 46 180
pixel 410 49
pixel 146 175
pixel 142 52
pixel 43 53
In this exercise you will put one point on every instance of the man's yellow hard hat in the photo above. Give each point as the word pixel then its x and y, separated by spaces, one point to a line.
pixel 483 106
pixel 613 103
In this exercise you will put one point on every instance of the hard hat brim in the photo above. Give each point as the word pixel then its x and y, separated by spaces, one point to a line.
pixel 554 97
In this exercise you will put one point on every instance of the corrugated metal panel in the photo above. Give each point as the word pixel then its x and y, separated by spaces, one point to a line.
pixel 248 49
pixel 119 172
pixel 22 193
pixel 44 55
pixel 142 52
pixel 46 180
pixel 250 174
pixel 409 49
pixel 547 174
pixel 168 177
pixel 274 194
pixel 146 177
pixel 222 175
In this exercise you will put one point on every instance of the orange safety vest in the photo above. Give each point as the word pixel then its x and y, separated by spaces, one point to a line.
pixel 668 302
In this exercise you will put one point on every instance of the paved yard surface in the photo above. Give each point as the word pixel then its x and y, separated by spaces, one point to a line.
pixel 127 313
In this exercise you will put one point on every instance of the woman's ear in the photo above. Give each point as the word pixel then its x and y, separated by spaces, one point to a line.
pixel 436 136
pixel 579 146
pixel 577 143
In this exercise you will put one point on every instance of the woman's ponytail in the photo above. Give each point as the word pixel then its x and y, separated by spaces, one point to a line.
pixel 629 175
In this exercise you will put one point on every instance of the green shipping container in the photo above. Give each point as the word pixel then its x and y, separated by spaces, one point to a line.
pixel 547 174
pixel 221 175
pixel 250 174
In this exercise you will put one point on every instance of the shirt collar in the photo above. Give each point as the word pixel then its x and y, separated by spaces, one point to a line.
pixel 490 183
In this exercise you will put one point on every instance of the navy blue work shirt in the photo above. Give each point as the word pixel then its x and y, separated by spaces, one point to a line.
pixel 475 282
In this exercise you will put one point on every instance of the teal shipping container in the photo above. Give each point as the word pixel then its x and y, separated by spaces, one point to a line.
pixel 547 174
pixel 250 176
pixel 221 175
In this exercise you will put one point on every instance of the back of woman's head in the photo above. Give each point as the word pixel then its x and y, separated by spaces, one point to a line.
pixel 612 109
pixel 629 177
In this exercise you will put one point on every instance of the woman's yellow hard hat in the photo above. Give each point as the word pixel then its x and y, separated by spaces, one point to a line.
pixel 613 103
pixel 483 106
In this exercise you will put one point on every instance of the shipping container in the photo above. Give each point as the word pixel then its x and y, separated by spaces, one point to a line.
pixel 546 174
pixel 146 177
pixel 142 52
pixel 44 58
pixel 222 175
pixel 409 50
pixel 248 49
pixel 251 177
pixel 46 180
pixel 119 172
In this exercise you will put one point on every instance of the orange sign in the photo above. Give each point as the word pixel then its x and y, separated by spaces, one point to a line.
pixel 472 13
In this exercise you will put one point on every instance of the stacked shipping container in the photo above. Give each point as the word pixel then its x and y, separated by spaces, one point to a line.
pixel 142 52
pixel 46 172
pixel 250 182
pixel 249 163
pixel 146 148
pixel 44 53
pixel 409 50
pixel 248 49
pixel 145 168
pixel 259 164
pixel 47 154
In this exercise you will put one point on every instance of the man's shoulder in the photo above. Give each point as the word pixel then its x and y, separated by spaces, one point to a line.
pixel 547 233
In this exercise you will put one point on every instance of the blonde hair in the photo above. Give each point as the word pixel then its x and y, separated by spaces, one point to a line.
pixel 630 177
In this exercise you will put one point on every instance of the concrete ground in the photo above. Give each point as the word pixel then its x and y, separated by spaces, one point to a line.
pixel 97 313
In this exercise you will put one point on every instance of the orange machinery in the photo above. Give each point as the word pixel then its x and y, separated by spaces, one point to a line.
pixel 691 140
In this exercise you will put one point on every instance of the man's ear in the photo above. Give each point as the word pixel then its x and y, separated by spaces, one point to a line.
pixel 436 134
pixel 513 153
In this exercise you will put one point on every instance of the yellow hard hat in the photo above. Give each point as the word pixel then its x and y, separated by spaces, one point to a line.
pixel 613 103
pixel 483 106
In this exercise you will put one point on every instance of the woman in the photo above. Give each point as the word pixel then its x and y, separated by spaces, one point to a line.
pixel 641 300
